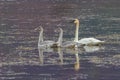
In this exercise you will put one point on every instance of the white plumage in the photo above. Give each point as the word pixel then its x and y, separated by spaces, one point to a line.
pixel 85 41
pixel 90 41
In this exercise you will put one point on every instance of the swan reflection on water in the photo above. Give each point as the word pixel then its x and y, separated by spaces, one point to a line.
pixel 77 62
pixel 41 57
pixel 60 54
pixel 63 60
pixel 50 50
pixel 85 49
pixel 92 48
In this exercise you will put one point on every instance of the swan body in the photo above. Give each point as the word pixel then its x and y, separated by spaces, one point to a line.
pixel 85 41
pixel 46 44
pixel 90 41
pixel 69 44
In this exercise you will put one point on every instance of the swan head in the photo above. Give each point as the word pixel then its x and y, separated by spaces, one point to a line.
pixel 39 28
pixel 58 29
pixel 76 21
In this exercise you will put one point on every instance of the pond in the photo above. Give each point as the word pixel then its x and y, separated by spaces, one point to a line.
pixel 21 59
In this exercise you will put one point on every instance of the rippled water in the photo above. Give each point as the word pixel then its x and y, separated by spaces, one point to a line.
pixel 20 58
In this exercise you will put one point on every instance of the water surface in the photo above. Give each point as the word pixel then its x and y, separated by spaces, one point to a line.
pixel 20 58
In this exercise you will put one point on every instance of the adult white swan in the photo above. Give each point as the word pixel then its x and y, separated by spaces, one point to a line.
pixel 85 41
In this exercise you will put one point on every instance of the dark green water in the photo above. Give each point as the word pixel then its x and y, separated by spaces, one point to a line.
pixel 21 60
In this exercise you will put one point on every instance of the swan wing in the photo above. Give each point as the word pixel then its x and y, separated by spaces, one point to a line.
pixel 68 44
pixel 91 48
pixel 46 44
pixel 89 41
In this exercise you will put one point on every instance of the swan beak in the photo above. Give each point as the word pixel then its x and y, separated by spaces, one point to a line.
pixel 57 30
pixel 72 21
pixel 36 29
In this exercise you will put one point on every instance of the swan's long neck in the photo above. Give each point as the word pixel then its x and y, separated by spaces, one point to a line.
pixel 60 38
pixel 40 37
pixel 76 32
